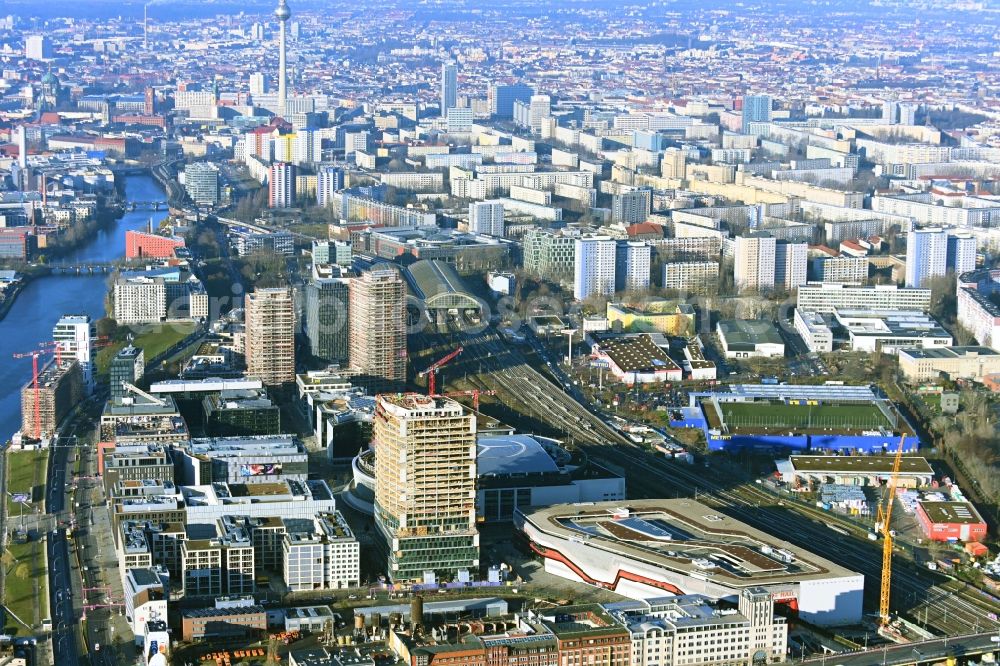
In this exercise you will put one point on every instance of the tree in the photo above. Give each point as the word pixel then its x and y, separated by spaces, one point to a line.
pixel 944 299
pixel 250 207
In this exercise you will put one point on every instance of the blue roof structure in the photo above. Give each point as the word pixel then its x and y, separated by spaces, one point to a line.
pixel 513 454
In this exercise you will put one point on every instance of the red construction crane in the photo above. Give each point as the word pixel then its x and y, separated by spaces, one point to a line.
pixel 34 385
pixel 475 393
pixel 58 345
pixel 432 370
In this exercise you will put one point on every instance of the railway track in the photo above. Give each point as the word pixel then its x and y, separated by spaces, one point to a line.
pixel 491 364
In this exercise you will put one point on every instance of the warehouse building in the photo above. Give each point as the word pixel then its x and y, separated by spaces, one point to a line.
pixel 869 331
pixel 749 339
pixel 635 359
pixel 950 521
pixel 872 471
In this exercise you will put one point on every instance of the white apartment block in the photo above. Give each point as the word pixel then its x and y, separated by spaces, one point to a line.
pixel 902 153
pixel 980 316
pixel 707 247
pixel 140 300
pixel 695 276
pixel 753 265
pixel 827 297
pixel 632 266
pixel 923 209
pixel 594 267
pixel 75 336
pixel 486 217
pixel 762 262
pixel 414 182
pixel 926 255
pixel 329 179
pixel 844 269
pixel 790 264
pixel 961 255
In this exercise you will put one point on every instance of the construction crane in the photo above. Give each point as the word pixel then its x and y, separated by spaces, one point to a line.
pixel 132 388
pixel 432 370
pixel 59 346
pixel 883 525
pixel 34 354
pixel 475 393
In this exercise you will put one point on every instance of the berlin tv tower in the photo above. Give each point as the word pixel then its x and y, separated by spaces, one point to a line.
pixel 283 13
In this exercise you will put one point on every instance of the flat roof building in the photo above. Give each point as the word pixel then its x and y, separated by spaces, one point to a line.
pixel 636 359
pixel 287 498
pixel 827 297
pixel 855 470
pixel 321 554
pixel 749 339
pixel 645 548
pixel 973 362
pixel 251 460
pixel 691 629
pixel 950 521
pixel 661 316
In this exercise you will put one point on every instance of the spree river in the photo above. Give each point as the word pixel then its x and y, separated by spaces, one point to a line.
pixel 44 300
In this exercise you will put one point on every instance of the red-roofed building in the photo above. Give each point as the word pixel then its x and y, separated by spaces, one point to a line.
pixel 140 119
pixel 824 249
pixel 644 231
pixel 852 249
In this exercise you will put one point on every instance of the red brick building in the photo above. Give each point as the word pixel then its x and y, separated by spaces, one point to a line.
pixel 587 634
pixel 140 245
pixel 233 622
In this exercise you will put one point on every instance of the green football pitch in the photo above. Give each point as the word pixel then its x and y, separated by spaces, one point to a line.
pixel 776 416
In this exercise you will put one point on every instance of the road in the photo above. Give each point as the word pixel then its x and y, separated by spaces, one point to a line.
pixel 490 363
pixel 76 570
pixel 64 621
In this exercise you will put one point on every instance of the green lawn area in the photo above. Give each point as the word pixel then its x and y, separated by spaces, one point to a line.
pixel 26 474
pixel 161 338
pixel 318 230
pixel 25 567
pixel 769 416
pixel 153 339
pixel 24 564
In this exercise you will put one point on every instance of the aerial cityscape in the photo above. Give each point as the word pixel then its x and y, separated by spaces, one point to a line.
pixel 458 333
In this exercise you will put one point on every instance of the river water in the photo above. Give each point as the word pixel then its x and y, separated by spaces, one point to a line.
pixel 43 301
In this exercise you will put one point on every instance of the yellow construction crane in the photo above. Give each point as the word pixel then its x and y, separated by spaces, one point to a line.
pixel 883 525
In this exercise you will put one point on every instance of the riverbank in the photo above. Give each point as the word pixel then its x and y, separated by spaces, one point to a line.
pixel 9 297
pixel 41 302
pixel 79 236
